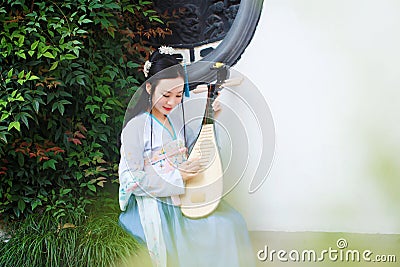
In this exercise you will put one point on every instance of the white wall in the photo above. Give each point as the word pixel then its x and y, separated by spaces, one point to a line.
pixel 330 71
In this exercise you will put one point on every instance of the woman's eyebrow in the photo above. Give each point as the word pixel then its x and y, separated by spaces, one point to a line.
pixel 180 92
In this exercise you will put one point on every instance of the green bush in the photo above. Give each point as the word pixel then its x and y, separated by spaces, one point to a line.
pixel 95 240
pixel 67 70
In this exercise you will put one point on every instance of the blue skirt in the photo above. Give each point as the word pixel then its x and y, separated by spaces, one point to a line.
pixel 221 239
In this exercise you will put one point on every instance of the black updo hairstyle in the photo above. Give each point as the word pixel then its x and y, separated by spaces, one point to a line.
pixel 163 66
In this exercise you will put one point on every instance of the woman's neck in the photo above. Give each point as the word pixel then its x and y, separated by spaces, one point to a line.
pixel 158 115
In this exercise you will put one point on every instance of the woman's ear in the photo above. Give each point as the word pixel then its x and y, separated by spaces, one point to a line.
pixel 148 88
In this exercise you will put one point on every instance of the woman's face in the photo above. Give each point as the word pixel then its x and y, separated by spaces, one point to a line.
pixel 167 95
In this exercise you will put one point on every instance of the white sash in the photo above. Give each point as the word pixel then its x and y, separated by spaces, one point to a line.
pixel 151 223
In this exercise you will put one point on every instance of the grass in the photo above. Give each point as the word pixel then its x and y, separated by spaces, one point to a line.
pixel 95 240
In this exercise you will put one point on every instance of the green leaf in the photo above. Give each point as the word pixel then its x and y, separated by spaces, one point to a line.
pixel 54 107
pixel 21 205
pixel 49 164
pixel 80 81
pixel 21 53
pixel 21 74
pixel 111 32
pixel 70 56
pixel 3 103
pixel 63 93
pixel 35 105
pixel 98 99
pixel 92 108
pixel 61 109
pixel 3 136
pixel 25 119
pixel 34 45
pixel 91 187
pixel 95 6
pixel 10 73
pixel 54 65
pixel 156 19
pixel 16 125
pixel 96 145
pixel 5 115
pixel 78 175
pixel 33 77
pixel 129 8
pixel 48 55
pixel 103 118
pixel 21 159
pixel 131 64
pixel 50 97
pixel 60 106
pixel 64 191
pixel 64 102
pixel 103 137
pixel 36 203
pixel 86 21
pixel 113 6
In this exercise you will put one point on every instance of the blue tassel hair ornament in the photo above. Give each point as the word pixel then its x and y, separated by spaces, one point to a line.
pixel 187 92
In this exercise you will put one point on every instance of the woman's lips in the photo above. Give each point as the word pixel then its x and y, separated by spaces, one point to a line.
pixel 167 109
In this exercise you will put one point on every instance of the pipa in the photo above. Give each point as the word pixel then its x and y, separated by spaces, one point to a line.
pixel 204 191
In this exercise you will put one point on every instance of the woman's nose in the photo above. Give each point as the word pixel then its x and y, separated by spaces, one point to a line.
pixel 170 101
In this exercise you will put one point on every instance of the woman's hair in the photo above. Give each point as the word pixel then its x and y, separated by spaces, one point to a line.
pixel 160 62
pixel 163 66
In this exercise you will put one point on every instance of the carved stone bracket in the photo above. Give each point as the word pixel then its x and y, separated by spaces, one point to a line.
pixel 209 30
pixel 198 22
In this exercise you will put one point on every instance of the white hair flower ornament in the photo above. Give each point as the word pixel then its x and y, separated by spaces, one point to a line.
pixel 146 68
pixel 166 50
pixel 162 50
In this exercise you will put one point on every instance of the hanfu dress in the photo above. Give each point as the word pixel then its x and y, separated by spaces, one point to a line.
pixel 150 185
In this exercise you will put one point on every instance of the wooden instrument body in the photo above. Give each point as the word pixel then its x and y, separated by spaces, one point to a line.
pixel 204 191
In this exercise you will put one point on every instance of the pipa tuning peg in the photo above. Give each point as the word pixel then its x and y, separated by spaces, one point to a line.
pixel 222 72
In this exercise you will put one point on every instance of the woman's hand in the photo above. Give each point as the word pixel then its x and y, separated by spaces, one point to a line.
pixel 189 169
pixel 216 105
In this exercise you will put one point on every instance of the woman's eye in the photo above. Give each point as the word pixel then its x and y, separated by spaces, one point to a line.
pixel 165 95
pixel 178 96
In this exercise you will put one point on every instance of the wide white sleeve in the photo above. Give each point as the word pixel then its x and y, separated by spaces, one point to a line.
pixel 133 178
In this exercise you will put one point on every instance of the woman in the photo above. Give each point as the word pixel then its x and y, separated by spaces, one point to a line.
pixel 153 170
